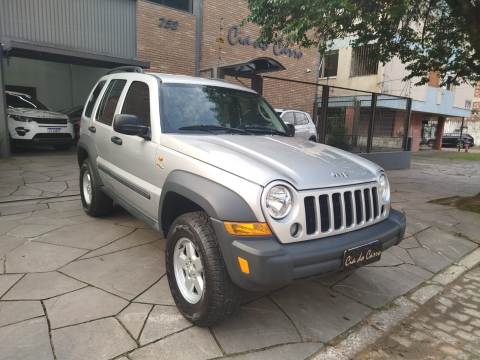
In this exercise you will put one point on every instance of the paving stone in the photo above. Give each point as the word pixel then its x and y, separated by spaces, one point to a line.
pixel 15 311
pixel 42 286
pixel 282 352
pixel 425 293
pixel 257 325
pixel 56 187
pixel 133 317
pixel 191 344
pixel 6 226
pixel 82 305
pixel 99 339
pixel 319 313
pixel 11 209
pixel 471 260
pixel 429 260
pixel 126 273
pixel 27 340
pixel 90 237
pixel 163 321
pixel 378 286
pixel 32 230
pixel 138 237
pixel 449 245
pixel 7 281
pixel 402 254
pixel 409 243
pixel 8 243
pixel 40 257
pixel 158 294
pixel 449 274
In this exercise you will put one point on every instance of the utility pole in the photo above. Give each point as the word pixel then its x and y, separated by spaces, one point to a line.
pixel 4 137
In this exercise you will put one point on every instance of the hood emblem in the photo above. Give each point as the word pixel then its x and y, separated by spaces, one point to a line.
pixel 341 174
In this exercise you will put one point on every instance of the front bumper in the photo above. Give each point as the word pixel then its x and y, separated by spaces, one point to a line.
pixel 273 264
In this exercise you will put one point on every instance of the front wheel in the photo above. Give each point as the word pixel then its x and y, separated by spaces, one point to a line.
pixel 95 202
pixel 198 279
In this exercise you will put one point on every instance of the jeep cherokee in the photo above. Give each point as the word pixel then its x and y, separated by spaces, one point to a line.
pixel 243 204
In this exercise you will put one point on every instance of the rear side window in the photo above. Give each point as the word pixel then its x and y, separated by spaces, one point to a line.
pixel 107 107
pixel 137 102
pixel 93 98
pixel 300 119
pixel 288 118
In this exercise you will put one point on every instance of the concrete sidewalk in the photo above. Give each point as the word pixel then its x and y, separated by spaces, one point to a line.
pixel 84 288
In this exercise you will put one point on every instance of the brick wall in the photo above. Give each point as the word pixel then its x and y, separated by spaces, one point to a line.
pixel 416 130
pixel 219 16
pixel 168 51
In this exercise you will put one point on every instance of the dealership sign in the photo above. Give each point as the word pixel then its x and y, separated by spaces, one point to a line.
pixel 234 38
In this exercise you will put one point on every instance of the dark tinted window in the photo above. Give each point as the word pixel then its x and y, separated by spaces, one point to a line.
pixel 288 118
pixel 137 102
pixel 24 101
pixel 300 119
pixel 93 98
pixel 330 64
pixel 107 107
pixel 176 4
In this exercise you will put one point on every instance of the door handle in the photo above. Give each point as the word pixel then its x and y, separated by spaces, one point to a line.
pixel 116 140
pixel 92 129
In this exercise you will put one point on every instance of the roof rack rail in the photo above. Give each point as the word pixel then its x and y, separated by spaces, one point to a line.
pixel 134 69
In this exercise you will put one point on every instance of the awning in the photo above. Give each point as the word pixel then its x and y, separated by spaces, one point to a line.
pixel 253 67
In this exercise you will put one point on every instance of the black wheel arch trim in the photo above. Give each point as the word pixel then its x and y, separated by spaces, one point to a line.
pixel 216 200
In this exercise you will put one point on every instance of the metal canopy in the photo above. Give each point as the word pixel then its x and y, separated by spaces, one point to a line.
pixel 65 55
pixel 253 67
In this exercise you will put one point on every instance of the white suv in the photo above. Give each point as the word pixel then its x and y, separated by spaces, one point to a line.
pixel 30 122
pixel 304 126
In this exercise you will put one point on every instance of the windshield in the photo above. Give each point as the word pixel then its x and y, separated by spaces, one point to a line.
pixel 24 101
pixel 214 109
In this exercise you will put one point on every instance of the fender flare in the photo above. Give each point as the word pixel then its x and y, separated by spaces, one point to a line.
pixel 218 201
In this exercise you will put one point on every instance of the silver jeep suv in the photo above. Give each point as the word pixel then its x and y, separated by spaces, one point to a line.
pixel 243 204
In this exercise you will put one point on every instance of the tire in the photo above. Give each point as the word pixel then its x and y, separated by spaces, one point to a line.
pixel 220 297
pixel 313 138
pixel 96 203
pixel 62 147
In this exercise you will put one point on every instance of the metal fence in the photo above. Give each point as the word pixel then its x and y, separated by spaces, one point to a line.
pixel 353 120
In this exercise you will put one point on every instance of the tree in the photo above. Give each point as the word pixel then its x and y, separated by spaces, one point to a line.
pixel 427 35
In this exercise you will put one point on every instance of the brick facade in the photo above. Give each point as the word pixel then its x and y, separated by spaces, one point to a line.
pixel 167 50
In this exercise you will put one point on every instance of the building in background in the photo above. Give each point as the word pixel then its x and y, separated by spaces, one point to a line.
pixel 432 105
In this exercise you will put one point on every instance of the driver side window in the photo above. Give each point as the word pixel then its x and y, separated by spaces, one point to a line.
pixel 137 102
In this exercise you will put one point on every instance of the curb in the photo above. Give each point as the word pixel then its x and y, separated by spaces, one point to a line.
pixel 382 321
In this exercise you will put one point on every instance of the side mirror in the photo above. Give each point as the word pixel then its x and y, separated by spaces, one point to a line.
pixel 290 130
pixel 131 125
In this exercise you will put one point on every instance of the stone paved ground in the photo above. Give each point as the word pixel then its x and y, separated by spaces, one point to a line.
pixel 74 287
pixel 446 327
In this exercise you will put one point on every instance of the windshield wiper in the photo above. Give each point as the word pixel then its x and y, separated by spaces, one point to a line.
pixel 264 130
pixel 213 128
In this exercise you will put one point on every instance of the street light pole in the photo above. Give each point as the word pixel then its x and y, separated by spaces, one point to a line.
pixel 4 137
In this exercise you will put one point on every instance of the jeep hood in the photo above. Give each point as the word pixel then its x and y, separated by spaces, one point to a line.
pixel 36 113
pixel 263 159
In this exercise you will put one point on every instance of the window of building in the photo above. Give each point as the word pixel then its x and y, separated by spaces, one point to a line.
pixel 364 60
pixel 107 107
pixel 93 98
pixel 300 119
pixel 330 64
pixel 137 102
pixel 185 5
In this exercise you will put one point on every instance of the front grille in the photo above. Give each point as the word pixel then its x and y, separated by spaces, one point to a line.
pixel 340 210
pixel 49 121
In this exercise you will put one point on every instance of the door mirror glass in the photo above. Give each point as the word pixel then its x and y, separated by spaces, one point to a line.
pixel 131 125
pixel 291 130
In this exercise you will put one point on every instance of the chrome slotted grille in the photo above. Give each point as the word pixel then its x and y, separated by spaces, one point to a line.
pixel 332 211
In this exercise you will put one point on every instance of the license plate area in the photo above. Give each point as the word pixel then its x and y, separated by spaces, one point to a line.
pixel 362 255
pixel 54 130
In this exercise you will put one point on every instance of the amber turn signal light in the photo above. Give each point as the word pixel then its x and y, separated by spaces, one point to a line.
pixel 243 265
pixel 247 229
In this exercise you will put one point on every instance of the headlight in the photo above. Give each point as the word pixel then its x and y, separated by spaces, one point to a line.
pixel 20 118
pixel 384 189
pixel 279 201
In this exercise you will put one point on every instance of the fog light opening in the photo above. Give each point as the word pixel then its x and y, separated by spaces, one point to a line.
pixel 295 230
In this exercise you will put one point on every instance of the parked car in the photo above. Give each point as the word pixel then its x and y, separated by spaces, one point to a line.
pixel 454 139
pixel 304 126
pixel 74 115
pixel 242 202
pixel 30 122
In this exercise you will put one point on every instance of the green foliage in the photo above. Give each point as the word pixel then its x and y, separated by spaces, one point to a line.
pixel 427 35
